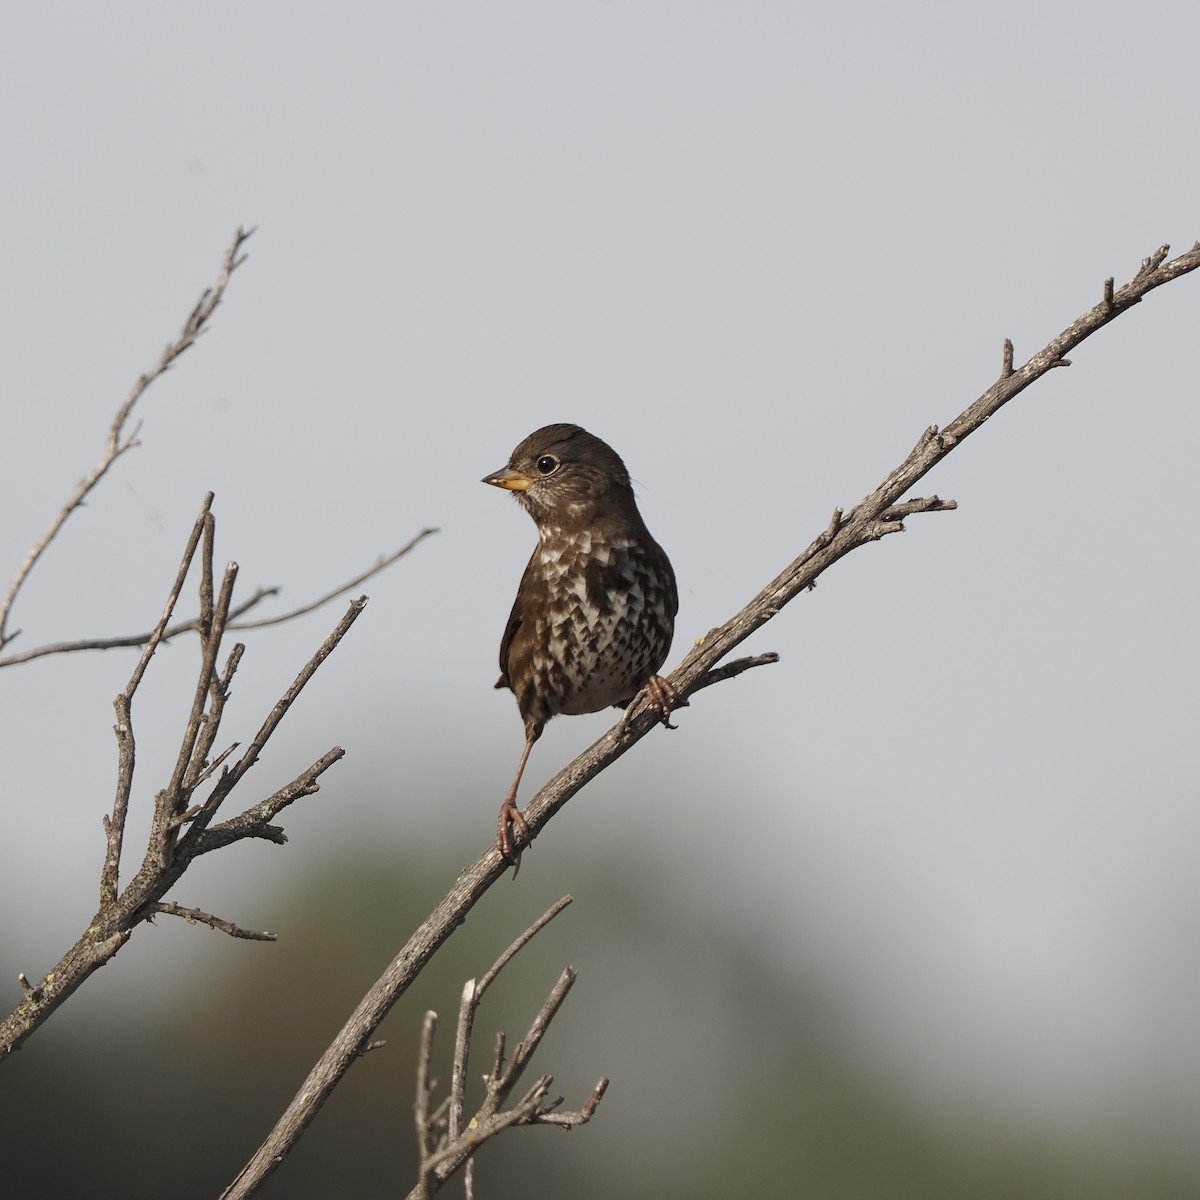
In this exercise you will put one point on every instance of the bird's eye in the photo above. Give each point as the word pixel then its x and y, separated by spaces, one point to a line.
pixel 547 464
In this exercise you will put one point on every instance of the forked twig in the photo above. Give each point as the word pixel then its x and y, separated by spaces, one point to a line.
pixel 445 1144
pixel 119 442
pixel 181 828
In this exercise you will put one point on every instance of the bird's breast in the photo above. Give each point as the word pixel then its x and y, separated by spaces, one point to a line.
pixel 591 641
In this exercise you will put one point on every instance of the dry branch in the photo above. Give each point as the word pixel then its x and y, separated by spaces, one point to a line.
pixel 383 563
pixel 180 828
pixel 133 640
pixel 444 1142
pixel 875 516
pixel 119 442
pixel 196 916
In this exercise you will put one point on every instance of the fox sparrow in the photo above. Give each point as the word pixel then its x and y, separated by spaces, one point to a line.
pixel 595 610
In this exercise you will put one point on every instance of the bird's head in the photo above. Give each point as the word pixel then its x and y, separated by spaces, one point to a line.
pixel 565 477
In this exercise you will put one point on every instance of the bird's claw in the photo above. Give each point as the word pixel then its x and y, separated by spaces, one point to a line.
pixel 663 699
pixel 511 815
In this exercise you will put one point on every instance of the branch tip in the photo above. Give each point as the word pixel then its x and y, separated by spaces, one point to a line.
pixel 1151 264
pixel 731 670
pixel 196 916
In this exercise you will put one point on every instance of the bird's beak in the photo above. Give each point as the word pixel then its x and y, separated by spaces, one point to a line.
pixel 510 479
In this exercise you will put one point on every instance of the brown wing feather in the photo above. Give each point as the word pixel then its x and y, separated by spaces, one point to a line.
pixel 516 619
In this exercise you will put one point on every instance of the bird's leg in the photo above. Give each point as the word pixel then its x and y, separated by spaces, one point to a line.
pixel 511 815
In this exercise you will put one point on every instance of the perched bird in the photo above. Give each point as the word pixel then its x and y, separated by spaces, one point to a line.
pixel 595 610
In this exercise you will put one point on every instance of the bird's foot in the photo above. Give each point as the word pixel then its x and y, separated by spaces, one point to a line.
pixel 663 699
pixel 510 816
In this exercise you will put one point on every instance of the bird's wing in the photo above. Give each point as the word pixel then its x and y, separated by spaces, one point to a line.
pixel 516 619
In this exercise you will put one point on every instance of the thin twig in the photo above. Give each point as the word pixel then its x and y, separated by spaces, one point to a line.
pixel 920 504
pixel 195 915
pixel 200 767
pixel 447 1145
pixel 534 1108
pixel 520 943
pixel 118 442
pixel 731 670
pixel 253 822
pixel 467 1007
pixel 213 612
pixel 382 564
pixel 529 1043
pixel 425 1140
pixel 211 769
pixel 569 1120
pixel 171 847
pixel 114 825
pixel 473 993
pixel 253 819
pixel 522 1113
pixel 159 632
pixel 133 640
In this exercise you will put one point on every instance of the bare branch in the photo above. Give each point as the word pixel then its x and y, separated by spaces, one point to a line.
pixel 118 441
pixel 253 822
pixel 114 825
pixel 158 633
pixel 195 915
pixel 472 996
pixel 132 641
pixel 210 770
pixel 426 1137
pixel 381 565
pixel 253 819
pixel 467 1008
pixel 499 1088
pixel 178 830
pixel 731 670
pixel 446 1147
pixel 442 1165
pixel 569 1120
pixel 843 534
pixel 519 945
pixel 174 798
pixel 923 504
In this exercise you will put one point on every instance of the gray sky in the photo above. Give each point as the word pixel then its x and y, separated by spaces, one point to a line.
pixel 758 248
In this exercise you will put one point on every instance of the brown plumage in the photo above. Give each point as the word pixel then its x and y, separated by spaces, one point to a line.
pixel 595 610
